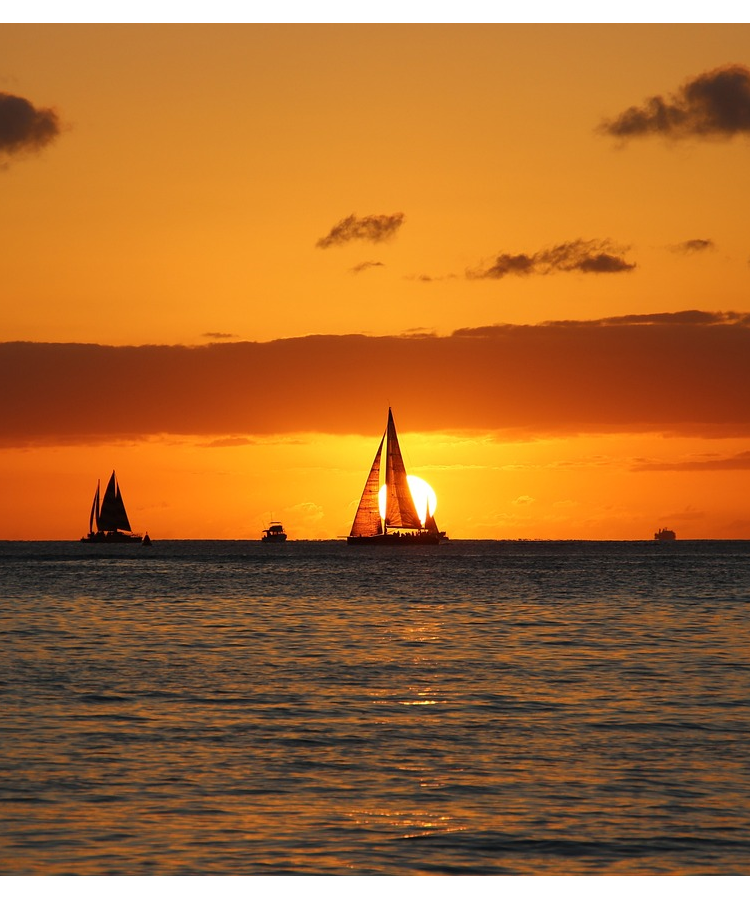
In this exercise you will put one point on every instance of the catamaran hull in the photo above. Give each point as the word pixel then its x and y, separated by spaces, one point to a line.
pixel 402 540
pixel 114 537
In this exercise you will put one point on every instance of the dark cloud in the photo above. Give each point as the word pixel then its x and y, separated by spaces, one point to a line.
pixel 368 228
pixel 697 245
pixel 219 335
pixel 682 373
pixel 685 317
pixel 589 257
pixel 363 266
pixel 23 128
pixel 714 104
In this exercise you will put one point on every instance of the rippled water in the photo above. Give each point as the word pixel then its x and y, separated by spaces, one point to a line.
pixel 499 708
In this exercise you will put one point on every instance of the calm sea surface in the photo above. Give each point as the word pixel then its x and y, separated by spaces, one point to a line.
pixel 495 708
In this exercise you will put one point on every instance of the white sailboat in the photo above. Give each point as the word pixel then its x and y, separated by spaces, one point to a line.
pixel 401 524
pixel 110 518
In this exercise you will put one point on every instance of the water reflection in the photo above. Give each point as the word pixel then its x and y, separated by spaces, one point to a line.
pixel 548 710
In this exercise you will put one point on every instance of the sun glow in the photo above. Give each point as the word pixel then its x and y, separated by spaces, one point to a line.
pixel 424 497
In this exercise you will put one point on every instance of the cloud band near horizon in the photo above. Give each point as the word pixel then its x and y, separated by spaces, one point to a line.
pixel 680 373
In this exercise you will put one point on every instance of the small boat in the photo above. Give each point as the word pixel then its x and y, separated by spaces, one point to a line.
pixel 274 534
pixel 111 519
pixel 401 525
pixel 665 534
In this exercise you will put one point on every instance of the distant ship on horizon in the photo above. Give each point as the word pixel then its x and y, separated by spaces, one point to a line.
pixel 274 534
pixel 665 534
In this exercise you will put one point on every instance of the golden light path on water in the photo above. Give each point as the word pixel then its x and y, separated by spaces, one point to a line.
pixel 425 498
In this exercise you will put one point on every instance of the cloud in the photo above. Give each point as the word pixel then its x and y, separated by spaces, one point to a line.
pixel 229 442
pixel 368 228
pixel 218 335
pixel 429 278
pixel 697 245
pixel 714 104
pixel 363 266
pixel 684 317
pixel 589 257
pixel 714 464
pixel 677 373
pixel 23 128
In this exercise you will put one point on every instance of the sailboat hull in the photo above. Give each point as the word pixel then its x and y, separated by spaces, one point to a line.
pixel 403 540
pixel 112 537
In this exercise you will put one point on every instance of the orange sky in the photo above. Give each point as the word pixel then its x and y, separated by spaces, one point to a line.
pixel 228 249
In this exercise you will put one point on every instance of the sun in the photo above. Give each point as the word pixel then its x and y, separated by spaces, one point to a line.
pixel 425 499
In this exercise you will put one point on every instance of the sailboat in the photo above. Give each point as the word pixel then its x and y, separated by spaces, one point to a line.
pixel 402 524
pixel 111 519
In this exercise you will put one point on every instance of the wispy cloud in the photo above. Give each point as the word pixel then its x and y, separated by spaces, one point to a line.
pixel 219 335
pixel 696 245
pixel 363 266
pixel 713 464
pixel 589 257
pixel 714 104
pixel 684 317
pixel 229 442
pixel 427 279
pixel 23 127
pixel 367 228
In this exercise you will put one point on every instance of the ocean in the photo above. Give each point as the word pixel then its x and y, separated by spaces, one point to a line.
pixel 309 708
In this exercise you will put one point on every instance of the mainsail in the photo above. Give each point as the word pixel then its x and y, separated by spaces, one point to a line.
pixel 112 515
pixel 367 518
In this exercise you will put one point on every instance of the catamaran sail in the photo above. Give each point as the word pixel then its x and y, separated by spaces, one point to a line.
pixel 111 519
pixel 400 511
pixel 94 517
pixel 112 515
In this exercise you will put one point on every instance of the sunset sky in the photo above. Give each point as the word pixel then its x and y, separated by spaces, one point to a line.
pixel 228 249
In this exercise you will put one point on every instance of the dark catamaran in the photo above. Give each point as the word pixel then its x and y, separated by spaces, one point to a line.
pixel 402 524
pixel 111 519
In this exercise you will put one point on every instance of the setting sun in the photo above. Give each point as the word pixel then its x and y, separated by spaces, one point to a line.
pixel 425 498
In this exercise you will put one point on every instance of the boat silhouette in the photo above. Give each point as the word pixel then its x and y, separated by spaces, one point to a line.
pixel 401 525
pixel 108 521
pixel 274 534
